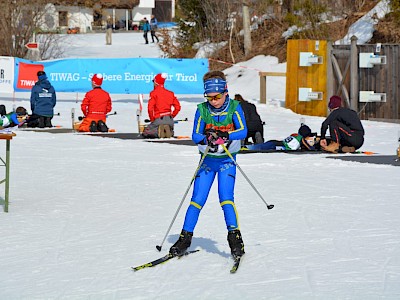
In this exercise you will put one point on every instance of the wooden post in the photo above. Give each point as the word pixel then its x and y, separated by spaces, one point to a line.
pixel 354 74
pixel 263 84
pixel 8 137
pixel 263 88
pixel 329 85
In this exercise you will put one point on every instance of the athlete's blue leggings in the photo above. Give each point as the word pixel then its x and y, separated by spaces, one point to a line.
pixel 226 171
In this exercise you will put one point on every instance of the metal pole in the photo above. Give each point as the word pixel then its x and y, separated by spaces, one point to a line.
pixel 73 117
pixel 126 20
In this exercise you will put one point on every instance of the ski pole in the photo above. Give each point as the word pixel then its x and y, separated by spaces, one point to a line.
pixel 269 206
pixel 159 247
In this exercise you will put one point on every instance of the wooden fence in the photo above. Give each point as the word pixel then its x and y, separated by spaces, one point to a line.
pixel 372 89
pixel 382 78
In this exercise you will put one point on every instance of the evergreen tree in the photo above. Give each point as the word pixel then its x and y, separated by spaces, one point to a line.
pixel 191 23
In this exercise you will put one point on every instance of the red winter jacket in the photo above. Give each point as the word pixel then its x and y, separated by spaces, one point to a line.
pixel 96 104
pixel 161 102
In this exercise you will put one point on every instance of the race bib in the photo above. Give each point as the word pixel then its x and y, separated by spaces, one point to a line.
pixel 291 143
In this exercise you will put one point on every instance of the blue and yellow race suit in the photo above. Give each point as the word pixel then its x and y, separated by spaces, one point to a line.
pixel 217 161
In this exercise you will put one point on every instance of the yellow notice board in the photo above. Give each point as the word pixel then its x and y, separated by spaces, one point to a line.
pixel 306 77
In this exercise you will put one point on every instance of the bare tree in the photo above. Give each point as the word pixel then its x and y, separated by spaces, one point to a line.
pixel 18 20
pixel 217 13
pixel 21 22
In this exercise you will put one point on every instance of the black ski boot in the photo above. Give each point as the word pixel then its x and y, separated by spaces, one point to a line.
pixel 47 122
pixel 236 243
pixel 41 122
pixel 101 126
pixel 93 126
pixel 181 245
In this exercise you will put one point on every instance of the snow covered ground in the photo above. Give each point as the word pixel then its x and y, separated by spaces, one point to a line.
pixel 364 27
pixel 85 209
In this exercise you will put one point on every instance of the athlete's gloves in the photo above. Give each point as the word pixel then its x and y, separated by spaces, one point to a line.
pixel 216 137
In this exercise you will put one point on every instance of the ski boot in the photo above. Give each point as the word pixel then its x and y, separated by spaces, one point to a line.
pixel 168 131
pixel 258 138
pixel 181 245
pixel 93 126
pixel 41 122
pixel 348 149
pixel 333 147
pixel 236 243
pixel 47 122
pixel 101 126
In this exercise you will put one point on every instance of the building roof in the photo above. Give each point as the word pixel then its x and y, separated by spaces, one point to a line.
pixel 127 4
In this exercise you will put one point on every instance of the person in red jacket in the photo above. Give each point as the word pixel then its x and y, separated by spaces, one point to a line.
pixel 162 108
pixel 95 106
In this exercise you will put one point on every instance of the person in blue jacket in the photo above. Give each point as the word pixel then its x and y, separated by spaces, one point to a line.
pixel 219 121
pixel 153 28
pixel 43 100
pixel 146 29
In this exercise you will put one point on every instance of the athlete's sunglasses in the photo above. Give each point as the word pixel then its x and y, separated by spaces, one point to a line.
pixel 216 97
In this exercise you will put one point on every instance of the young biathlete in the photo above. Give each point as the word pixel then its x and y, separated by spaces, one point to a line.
pixel 219 121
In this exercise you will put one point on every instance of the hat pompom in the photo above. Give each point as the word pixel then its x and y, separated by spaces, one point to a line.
pixel 97 79
pixel 160 78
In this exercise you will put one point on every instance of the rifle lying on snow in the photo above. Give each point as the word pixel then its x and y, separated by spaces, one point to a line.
pixel 80 118
pixel 175 121
pixel 111 114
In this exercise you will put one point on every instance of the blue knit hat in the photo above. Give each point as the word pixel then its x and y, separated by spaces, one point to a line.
pixel 215 85
pixel 41 75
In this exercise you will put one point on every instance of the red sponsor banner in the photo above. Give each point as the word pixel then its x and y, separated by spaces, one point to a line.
pixel 27 75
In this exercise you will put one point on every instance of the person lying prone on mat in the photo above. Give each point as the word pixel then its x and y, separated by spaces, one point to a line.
pixel 13 119
pixel 304 140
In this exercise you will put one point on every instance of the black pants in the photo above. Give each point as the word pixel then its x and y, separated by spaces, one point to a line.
pixel 145 36
pixel 252 130
pixel 345 136
pixel 39 121
pixel 153 35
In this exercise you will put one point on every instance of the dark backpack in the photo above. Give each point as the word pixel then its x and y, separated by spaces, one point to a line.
pixel 150 132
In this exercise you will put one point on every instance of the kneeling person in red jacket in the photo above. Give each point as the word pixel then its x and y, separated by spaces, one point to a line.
pixel 162 108
pixel 95 106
